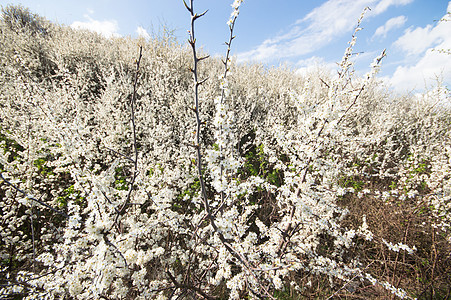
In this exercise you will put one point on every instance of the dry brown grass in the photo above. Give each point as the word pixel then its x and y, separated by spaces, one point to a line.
pixel 425 274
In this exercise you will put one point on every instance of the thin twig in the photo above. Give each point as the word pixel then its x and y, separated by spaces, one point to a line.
pixel 188 286
pixel 135 148
pixel 25 282
pixel 33 239
pixel 349 281
pixel 121 154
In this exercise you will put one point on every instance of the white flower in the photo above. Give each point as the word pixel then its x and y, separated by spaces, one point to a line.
pixel 236 4
pixel 234 14
pixel 278 284
pixel 399 246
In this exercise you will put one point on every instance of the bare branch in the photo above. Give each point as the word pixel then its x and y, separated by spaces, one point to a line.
pixel 135 148
pixel 121 154
pixel 188 286
pixel 187 7
pixel 196 16
pixel 205 199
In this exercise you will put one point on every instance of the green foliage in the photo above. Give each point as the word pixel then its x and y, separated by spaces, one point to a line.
pixel 421 168
pixel 68 194
pixel 120 182
pixel 393 185
pixel 10 146
pixel 282 294
pixel 43 169
pixel 352 182
pixel 257 164
pixel 151 171
pixel 191 191
pixel 11 262
pixel 182 201
pixel 416 173
pixel 255 161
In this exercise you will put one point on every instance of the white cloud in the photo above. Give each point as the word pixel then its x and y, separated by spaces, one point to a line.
pixel 106 28
pixel 383 5
pixel 321 26
pixel 416 41
pixel 428 71
pixel 393 23
pixel 142 32
pixel 422 46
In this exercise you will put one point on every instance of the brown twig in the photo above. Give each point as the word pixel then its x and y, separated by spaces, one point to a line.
pixel 188 287
pixel 135 148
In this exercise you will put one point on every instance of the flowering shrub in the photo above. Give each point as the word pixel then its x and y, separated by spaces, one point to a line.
pixel 130 175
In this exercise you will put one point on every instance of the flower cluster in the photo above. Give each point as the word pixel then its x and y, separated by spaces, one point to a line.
pixel 236 11
pixel 399 246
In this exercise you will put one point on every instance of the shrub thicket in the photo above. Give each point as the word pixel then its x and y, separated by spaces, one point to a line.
pixel 310 186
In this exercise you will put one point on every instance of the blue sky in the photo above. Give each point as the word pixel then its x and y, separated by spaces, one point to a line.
pixel 302 34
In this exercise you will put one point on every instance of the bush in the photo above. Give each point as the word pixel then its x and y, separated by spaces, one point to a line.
pixel 18 18
pixel 121 181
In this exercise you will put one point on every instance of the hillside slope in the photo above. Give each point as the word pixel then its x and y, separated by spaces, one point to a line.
pixel 320 184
